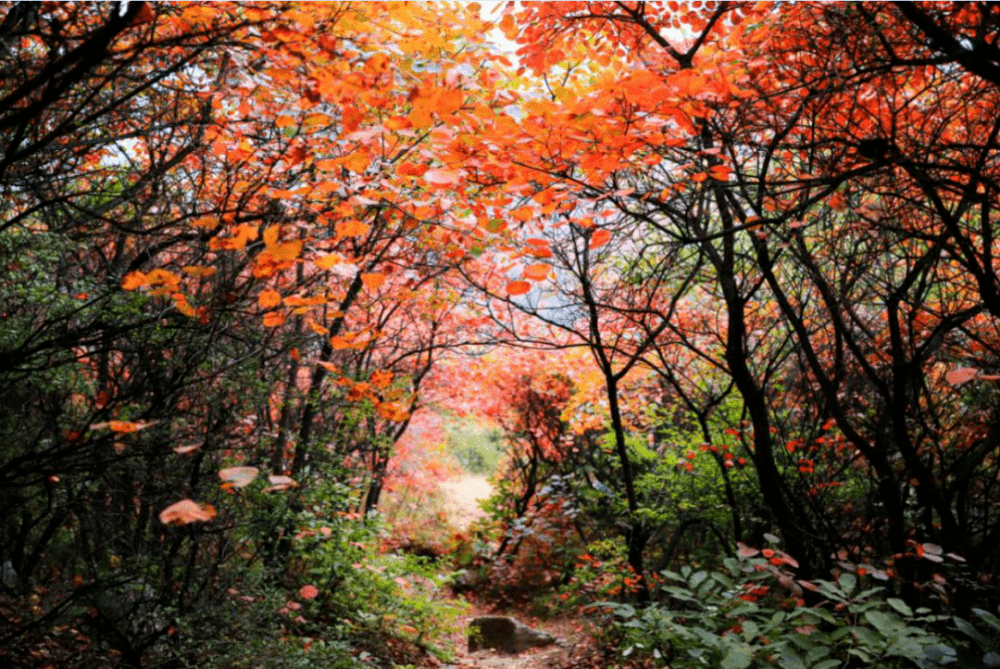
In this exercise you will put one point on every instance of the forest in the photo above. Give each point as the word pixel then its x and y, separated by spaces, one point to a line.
pixel 707 289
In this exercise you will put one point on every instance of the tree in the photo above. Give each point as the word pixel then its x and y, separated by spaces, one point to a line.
pixel 784 174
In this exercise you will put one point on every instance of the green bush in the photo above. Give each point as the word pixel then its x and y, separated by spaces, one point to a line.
pixel 738 618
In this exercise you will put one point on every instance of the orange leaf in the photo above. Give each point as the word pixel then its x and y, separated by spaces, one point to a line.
pixel 199 271
pixel 238 477
pixel 537 272
pixel 412 169
pixel 205 222
pixel 599 238
pixel 122 426
pixel 351 228
pixel 269 298
pixel 286 250
pixel 372 280
pixel 381 378
pixel 134 280
pixel 327 261
pixel 518 287
pixel 273 319
pixel 186 511
pixel 397 123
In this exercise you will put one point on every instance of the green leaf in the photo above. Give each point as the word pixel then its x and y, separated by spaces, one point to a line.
pixel 966 628
pixel 847 583
pixel 827 664
pixel 940 654
pixel 988 618
pixel 886 623
pixel 900 606
pixel 867 637
pixel 815 654
pixel 790 660
pixel 738 657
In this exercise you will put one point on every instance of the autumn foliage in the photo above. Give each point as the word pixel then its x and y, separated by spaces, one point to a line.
pixel 719 271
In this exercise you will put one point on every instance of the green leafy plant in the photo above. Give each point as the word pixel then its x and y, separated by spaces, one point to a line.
pixel 989 646
pixel 750 614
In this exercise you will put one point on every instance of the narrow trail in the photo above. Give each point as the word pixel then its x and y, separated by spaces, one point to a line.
pixel 462 497
pixel 463 494
pixel 551 657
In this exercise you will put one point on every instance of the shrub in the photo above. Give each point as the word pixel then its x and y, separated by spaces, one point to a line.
pixel 739 617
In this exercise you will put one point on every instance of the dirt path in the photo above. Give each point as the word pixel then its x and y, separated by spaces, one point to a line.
pixel 462 495
pixel 567 632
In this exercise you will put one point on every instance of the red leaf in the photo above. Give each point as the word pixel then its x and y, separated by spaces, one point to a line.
pixel 518 287
pixel 957 377
pixel 599 238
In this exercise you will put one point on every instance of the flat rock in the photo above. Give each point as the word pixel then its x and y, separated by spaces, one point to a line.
pixel 505 634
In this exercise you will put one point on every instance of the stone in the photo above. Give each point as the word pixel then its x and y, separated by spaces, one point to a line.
pixel 505 635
